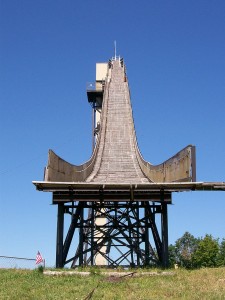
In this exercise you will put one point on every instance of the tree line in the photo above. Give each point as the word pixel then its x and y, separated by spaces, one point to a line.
pixel 190 252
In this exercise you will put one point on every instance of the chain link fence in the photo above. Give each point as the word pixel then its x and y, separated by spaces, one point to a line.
pixel 8 262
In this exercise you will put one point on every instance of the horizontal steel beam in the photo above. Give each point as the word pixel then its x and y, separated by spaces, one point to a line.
pixel 59 197
pixel 49 186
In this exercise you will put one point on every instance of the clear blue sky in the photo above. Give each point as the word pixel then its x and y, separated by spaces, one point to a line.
pixel 175 57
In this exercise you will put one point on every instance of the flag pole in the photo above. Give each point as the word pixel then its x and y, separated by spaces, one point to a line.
pixel 115 48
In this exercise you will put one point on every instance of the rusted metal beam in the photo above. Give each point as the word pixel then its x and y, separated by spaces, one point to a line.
pixel 59 242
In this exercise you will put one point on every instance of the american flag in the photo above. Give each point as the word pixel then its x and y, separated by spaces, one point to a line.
pixel 39 258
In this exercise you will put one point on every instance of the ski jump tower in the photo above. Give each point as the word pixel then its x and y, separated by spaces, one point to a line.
pixel 117 202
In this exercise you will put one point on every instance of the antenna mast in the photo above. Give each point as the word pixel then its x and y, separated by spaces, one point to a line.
pixel 115 49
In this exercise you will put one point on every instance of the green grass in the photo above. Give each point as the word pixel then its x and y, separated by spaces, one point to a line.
pixel 184 284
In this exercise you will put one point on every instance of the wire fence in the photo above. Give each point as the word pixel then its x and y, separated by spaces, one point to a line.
pixel 8 262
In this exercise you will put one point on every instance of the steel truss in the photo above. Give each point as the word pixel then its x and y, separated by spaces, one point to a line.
pixel 129 235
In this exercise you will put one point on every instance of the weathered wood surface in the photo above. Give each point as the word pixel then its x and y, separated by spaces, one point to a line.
pixel 116 158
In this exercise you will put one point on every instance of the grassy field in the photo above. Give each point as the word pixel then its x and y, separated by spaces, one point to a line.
pixel 183 284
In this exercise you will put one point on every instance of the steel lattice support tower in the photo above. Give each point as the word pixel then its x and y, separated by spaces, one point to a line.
pixel 126 234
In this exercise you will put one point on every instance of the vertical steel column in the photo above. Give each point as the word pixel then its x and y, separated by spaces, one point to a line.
pixel 138 234
pixel 81 236
pixel 59 241
pixel 131 241
pixel 146 236
pixel 164 228
pixel 92 234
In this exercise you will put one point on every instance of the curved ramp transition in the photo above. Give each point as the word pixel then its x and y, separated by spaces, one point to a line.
pixel 116 157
